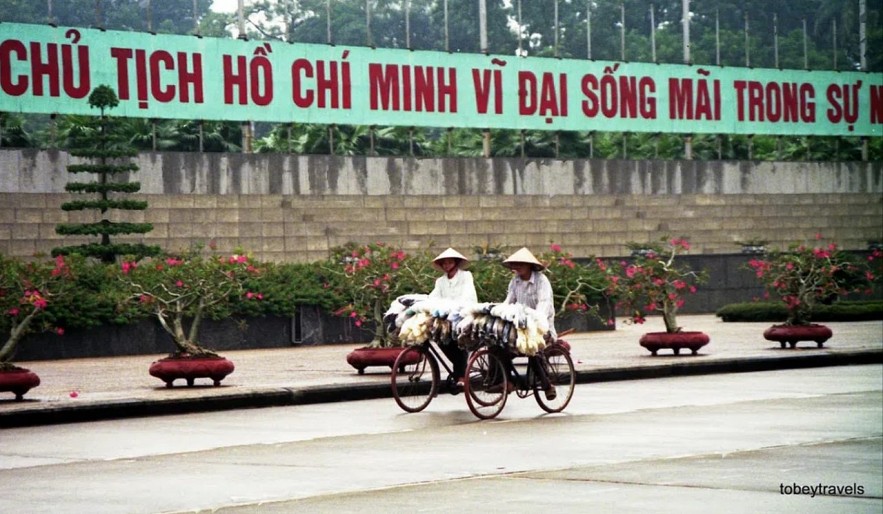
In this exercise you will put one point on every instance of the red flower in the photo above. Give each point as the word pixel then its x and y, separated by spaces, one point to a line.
pixel 682 243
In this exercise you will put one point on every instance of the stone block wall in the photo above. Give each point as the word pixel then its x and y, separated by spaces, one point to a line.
pixel 296 208
pixel 303 228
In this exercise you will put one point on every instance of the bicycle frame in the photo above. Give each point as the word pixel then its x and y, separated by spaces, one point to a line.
pixel 432 347
pixel 525 384
pixel 493 375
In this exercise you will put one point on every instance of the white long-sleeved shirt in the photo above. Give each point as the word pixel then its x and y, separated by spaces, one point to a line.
pixel 460 287
pixel 535 293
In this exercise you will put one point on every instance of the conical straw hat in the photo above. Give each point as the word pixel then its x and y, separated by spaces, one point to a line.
pixel 524 256
pixel 450 253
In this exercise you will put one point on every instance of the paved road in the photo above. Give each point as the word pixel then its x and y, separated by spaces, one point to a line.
pixel 105 388
pixel 721 443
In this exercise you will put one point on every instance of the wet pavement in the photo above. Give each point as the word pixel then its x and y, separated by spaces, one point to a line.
pixel 106 388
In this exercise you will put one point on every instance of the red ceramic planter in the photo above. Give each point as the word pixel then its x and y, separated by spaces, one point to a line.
pixel 361 358
pixel 792 334
pixel 655 341
pixel 190 368
pixel 18 381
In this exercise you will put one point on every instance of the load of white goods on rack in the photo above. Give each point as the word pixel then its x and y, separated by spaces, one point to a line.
pixel 415 319
pixel 509 325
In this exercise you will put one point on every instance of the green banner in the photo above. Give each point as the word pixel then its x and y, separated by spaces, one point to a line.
pixel 46 69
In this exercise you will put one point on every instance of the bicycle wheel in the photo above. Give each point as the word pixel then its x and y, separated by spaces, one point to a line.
pixel 414 379
pixel 558 365
pixel 487 385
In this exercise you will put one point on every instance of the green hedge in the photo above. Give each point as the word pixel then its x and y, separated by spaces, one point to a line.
pixel 776 311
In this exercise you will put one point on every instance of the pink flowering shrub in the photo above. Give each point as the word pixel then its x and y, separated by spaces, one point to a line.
pixel 575 287
pixel 368 277
pixel 26 290
pixel 187 288
pixel 804 276
pixel 653 282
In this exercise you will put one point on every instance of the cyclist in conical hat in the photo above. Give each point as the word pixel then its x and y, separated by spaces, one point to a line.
pixel 455 284
pixel 530 287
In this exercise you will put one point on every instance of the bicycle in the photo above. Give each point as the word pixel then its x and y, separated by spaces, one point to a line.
pixel 415 377
pixel 492 376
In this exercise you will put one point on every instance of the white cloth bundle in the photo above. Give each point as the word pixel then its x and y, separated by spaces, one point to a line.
pixel 485 322
pixel 417 320
pixel 415 329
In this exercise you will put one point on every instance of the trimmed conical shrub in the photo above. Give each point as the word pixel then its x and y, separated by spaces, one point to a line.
pixel 108 156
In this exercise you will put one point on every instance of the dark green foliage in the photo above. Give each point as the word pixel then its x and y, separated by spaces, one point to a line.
pixel 103 97
pixel 109 153
pixel 97 187
pixel 491 278
pixel 103 205
pixel 100 228
pixel 108 252
pixel 54 295
pixel 97 298
pixel 102 168
pixel 166 16
pixel 12 131
pixel 284 286
pixel 778 312
pixel 98 141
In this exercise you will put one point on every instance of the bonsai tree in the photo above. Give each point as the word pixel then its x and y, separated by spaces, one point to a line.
pixel 26 290
pixel 805 276
pixel 575 287
pixel 368 277
pixel 653 282
pixel 181 291
pixel 109 157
